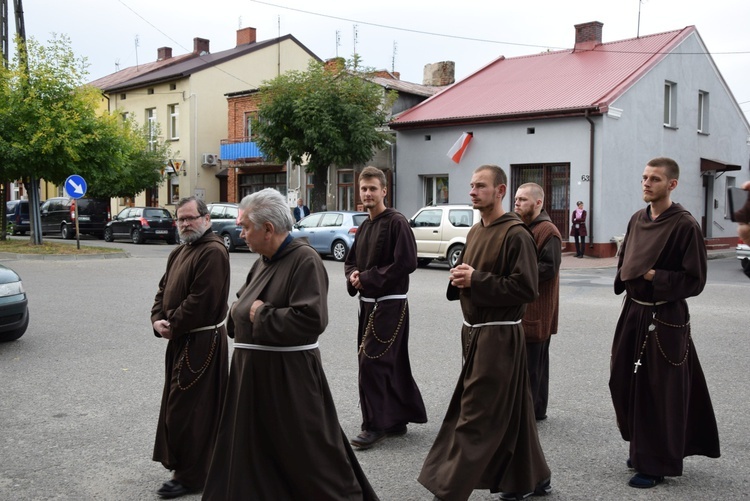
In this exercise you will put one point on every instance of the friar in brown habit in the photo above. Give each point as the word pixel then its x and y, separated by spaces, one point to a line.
pixel 657 385
pixel 190 310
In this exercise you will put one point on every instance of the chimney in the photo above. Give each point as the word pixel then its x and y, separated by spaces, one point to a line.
pixel 245 36
pixel 439 74
pixel 588 35
pixel 163 53
pixel 335 64
pixel 200 46
pixel 393 75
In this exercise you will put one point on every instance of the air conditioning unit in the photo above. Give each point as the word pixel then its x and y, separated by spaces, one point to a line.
pixel 210 158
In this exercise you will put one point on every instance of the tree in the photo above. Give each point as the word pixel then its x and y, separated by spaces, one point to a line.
pixel 330 114
pixel 51 127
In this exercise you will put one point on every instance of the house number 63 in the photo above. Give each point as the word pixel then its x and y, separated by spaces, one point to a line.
pixel 585 178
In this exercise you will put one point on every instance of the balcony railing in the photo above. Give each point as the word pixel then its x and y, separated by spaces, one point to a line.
pixel 240 149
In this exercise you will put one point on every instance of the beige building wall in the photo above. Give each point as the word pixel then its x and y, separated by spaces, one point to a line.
pixel 202 121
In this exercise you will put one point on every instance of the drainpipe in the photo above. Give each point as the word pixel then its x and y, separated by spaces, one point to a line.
pixel 591 179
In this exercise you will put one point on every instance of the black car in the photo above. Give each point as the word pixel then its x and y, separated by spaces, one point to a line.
pixel 14 309
pixel 58 216
pixel 140 224
pixel 17 213
pixel 224 217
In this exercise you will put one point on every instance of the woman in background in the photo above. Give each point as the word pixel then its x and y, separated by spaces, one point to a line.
pixel 578 230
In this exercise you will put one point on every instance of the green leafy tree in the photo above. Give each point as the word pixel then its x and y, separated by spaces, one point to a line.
pixel 328 115
pixel 51 127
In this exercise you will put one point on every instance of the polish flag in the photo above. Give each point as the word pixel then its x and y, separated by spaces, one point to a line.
pixel 458 149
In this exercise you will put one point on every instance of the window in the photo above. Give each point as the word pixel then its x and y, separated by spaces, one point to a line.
pixel 670 100
pixel 462 218
pixel 345 190
pixel 249 117
pixel 174 115
pixel 703 112
pixel 151 122
pixel 428 218
pixel 173 189
pixel 435 190
pixel 332 219
pixel 250 183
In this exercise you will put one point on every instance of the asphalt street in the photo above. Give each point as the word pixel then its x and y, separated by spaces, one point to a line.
pixel 80 391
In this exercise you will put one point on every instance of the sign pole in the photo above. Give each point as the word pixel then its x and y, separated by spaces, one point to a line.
pixel 75 187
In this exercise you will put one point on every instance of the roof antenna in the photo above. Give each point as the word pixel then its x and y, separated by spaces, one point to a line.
pixel 638 31
pixel 136 52
pixel 338 42
pixel 393 58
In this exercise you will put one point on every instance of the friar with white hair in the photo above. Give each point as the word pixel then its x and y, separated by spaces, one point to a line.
pixel 279 435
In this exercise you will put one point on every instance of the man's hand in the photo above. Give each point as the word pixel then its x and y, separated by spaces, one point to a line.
pixel 460 276
pixel 256 304
pixel 650 275
pixel 163 329
pixel 354 280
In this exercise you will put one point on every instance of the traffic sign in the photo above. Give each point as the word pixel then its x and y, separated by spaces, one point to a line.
pixel 75 186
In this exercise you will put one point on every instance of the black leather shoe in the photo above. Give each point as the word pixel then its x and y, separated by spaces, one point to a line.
pixel 396 431
pixel 367 439
pixel 643 481
pixel 173 489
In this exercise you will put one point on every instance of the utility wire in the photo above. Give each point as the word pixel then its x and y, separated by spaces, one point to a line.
pixel 471 39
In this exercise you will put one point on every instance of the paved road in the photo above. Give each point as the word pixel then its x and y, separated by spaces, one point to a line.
pixel 79 393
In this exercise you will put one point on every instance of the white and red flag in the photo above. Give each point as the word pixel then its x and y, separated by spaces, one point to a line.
pixel 458 149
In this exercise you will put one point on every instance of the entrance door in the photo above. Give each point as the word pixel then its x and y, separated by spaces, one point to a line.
pixel 555 180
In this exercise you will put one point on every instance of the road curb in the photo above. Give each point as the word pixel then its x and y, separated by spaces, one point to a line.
pixel 9 256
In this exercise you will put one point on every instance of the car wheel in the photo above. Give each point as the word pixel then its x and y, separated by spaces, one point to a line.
pixel 136 236
pixel 454 253
pixel 15 333
pixel 108 236
pixel 339 250
pixel 422 262
pixel 228 242
pixel 66 232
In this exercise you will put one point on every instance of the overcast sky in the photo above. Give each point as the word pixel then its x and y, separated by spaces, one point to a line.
pixel 470 33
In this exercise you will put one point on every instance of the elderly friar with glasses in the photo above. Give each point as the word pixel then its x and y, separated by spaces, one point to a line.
pixel 189 311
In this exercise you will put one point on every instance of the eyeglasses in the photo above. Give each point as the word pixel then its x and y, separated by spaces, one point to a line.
pixel 189 219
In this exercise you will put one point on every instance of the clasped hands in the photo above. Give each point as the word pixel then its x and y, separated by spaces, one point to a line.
pixel 460 276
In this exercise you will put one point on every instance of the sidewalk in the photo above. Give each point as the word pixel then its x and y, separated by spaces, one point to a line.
pixel 569 261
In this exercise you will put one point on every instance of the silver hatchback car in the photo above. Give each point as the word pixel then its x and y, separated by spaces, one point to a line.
pixel 330 232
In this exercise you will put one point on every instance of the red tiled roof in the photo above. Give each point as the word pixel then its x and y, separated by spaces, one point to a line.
pixel 548 84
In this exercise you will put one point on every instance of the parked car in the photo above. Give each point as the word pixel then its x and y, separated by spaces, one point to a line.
pixel 440 232
pixel 58 216
pixel 141 224
pixel 224 217
pixel 17 214
pixel 14 308
pixel 330 232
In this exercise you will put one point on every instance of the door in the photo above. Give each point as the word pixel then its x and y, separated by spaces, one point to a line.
pixel 427 231
pixel 555 180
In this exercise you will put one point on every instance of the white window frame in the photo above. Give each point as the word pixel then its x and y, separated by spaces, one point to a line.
pixel 151 122
pixel 436 189
pixel 174 121
pixel 703 112
pixel 670 102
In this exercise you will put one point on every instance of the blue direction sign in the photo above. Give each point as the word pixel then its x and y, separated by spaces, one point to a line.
pixel 75 186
